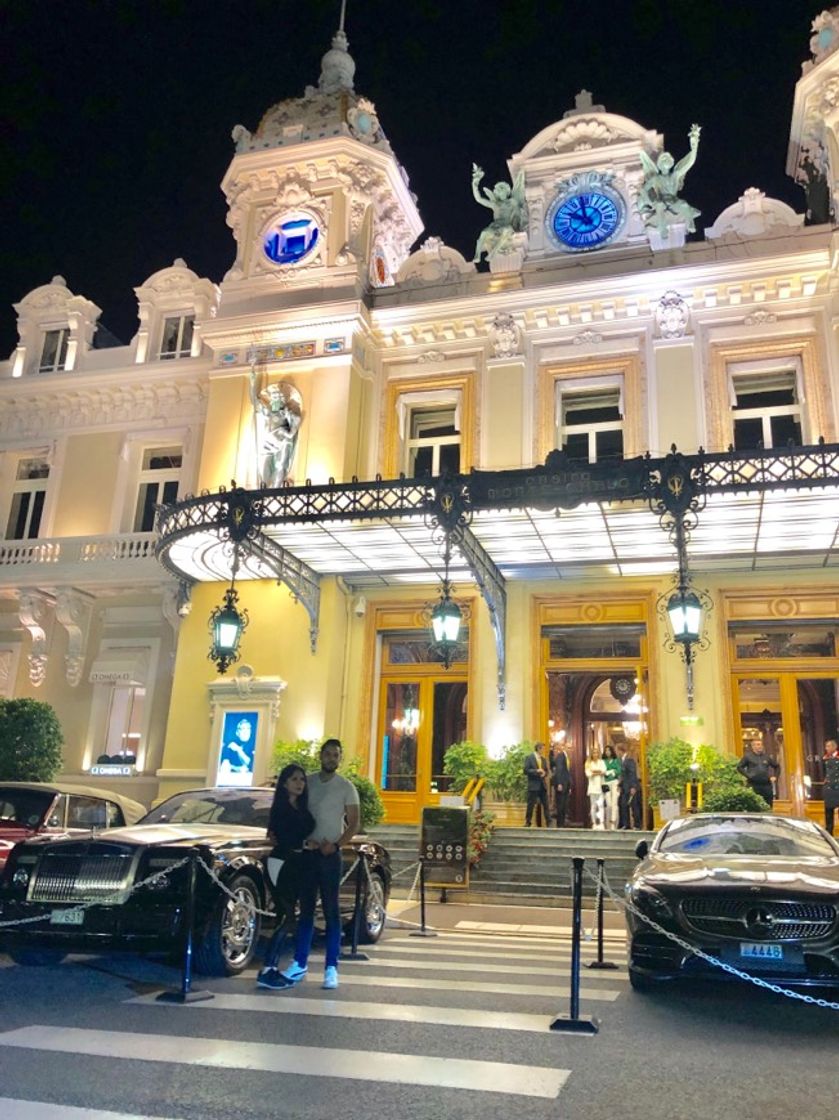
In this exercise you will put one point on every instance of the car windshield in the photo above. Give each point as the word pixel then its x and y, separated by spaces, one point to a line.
pixel 750 836
pixel 214 806
pixel 24 807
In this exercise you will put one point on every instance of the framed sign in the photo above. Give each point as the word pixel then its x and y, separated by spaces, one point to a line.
pixel 237 749
pixel 444 845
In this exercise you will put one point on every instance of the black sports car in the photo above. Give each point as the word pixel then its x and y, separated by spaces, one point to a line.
pixel 113 890
pixel 757 891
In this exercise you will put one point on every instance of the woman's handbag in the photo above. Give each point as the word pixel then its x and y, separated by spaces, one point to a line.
pixel 274 866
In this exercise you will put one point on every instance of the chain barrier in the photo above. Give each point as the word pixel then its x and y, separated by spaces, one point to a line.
pixel 120 896
pixel 758 981
pixel 123 894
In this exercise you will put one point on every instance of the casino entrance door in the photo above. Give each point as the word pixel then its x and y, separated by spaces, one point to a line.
pixel 422 711
pixel 594 695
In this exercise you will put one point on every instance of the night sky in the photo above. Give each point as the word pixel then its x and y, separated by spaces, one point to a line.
pixel 115 116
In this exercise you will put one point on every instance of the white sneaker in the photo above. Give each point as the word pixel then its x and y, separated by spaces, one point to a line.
pixel 294 973
pixel 330 978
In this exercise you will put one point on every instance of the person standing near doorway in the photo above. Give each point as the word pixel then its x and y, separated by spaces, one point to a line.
pixel 759 770
pixel 831 782
pixel 613 777
pixel 596 775
pixel 629 802
pixel 561 783
pixel 536 772
pixel 333 802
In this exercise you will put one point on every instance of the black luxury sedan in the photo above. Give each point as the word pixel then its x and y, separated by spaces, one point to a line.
pixel 756 891
pixel 113 891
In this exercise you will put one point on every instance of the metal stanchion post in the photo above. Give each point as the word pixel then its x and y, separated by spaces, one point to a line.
pixel 572 1023
pixel 422 931
pixel 186 994
pixel 354 954
pixel 600 963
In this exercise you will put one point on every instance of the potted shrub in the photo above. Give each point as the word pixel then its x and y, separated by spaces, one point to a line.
pixel 30 741
pixel 507 783
pixel 463 762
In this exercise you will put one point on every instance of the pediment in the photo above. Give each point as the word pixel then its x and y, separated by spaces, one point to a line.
pixel 584 131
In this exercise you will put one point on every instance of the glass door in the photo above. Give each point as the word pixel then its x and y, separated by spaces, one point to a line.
pixel 422 711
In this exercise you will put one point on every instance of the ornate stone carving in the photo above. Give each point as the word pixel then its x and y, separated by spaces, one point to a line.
pixel 505 336
pixel 72 610
pixel 587 337
pixel 432 356
pixel 31 610
pixel 363 121
pixel 754 215
pixel 672 315
pixel 758 318
pixel 47 412
pixel 434 263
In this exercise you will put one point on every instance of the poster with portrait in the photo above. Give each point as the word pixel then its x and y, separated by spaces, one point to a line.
pixel 237 749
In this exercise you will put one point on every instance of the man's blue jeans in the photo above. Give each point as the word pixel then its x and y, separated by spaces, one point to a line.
pixel 319 874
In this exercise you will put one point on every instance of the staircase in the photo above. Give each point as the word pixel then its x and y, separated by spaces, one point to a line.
pixel 523 866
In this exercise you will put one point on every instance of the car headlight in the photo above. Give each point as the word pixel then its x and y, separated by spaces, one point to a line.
pixel 651 902
pixel 20 879
pixel 157 866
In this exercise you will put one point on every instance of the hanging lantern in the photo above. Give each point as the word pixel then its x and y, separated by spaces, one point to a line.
pixel 227 624
pixel 685 611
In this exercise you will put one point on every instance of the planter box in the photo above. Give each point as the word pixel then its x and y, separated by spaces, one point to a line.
pixel 508 814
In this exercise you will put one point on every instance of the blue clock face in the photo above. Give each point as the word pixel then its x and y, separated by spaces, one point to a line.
pixel 586 220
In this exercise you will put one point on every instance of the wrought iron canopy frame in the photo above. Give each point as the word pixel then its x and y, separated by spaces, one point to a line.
pixel 243 519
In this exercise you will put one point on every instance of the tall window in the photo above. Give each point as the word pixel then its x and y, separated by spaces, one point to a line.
pixel 28 495
pixel 766 410
pixel 54 352
pixel 176 340
pixel 433 443
pixel 125 722
pixel 160 476
pixel 591 423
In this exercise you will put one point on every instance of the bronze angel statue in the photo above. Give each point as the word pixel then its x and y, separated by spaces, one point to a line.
pixel 658 197
pixel 509 214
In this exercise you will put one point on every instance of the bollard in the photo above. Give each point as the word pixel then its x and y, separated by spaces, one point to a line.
pixel 600 963
pixel 572 1023
pixel 423 931
pixel 354 954
pixel 186 994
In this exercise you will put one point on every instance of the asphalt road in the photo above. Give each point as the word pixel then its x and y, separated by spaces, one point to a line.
pixel 453 1027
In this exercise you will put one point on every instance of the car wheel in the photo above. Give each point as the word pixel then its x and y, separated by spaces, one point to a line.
pixel 374 910
pixel 33 958
pixel 640 982
pixel 228 945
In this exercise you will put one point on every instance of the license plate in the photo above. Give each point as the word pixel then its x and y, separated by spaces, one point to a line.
pixel 67 918
pixel 757 950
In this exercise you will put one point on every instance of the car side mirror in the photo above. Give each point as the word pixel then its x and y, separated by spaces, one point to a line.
pixel 642 849
pixel 54 821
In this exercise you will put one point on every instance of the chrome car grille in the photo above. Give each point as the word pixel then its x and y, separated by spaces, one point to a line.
pixel 759 919
pixel 81 874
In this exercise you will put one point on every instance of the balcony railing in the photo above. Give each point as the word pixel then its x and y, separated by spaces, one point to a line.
pixel 80 553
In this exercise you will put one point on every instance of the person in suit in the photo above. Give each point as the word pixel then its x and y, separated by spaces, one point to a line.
pixel 629 800
pixel 759 770
pixel 831 782
pixel 560 783
pixel 536 772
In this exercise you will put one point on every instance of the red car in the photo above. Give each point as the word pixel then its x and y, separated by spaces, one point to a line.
pixel 60 809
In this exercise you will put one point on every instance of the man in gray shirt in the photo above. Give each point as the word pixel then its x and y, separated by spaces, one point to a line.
pixel 333 802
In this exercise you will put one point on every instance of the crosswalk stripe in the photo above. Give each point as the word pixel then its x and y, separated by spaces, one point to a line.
pixel 14 1109
pixel 605 994
pixel 306 1061
pixel 507 969
pixel 283 1003
pixel 430 950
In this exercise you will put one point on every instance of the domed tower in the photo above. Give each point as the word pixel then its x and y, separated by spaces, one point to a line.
pixel 316 197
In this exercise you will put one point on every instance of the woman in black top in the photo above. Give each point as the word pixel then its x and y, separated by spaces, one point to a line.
pixel 289 823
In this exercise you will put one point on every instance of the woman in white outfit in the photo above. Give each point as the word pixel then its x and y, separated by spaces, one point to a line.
pixel 596 775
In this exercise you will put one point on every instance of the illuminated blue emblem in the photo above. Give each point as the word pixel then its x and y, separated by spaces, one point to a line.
pixel 586 213
pixel 291 239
